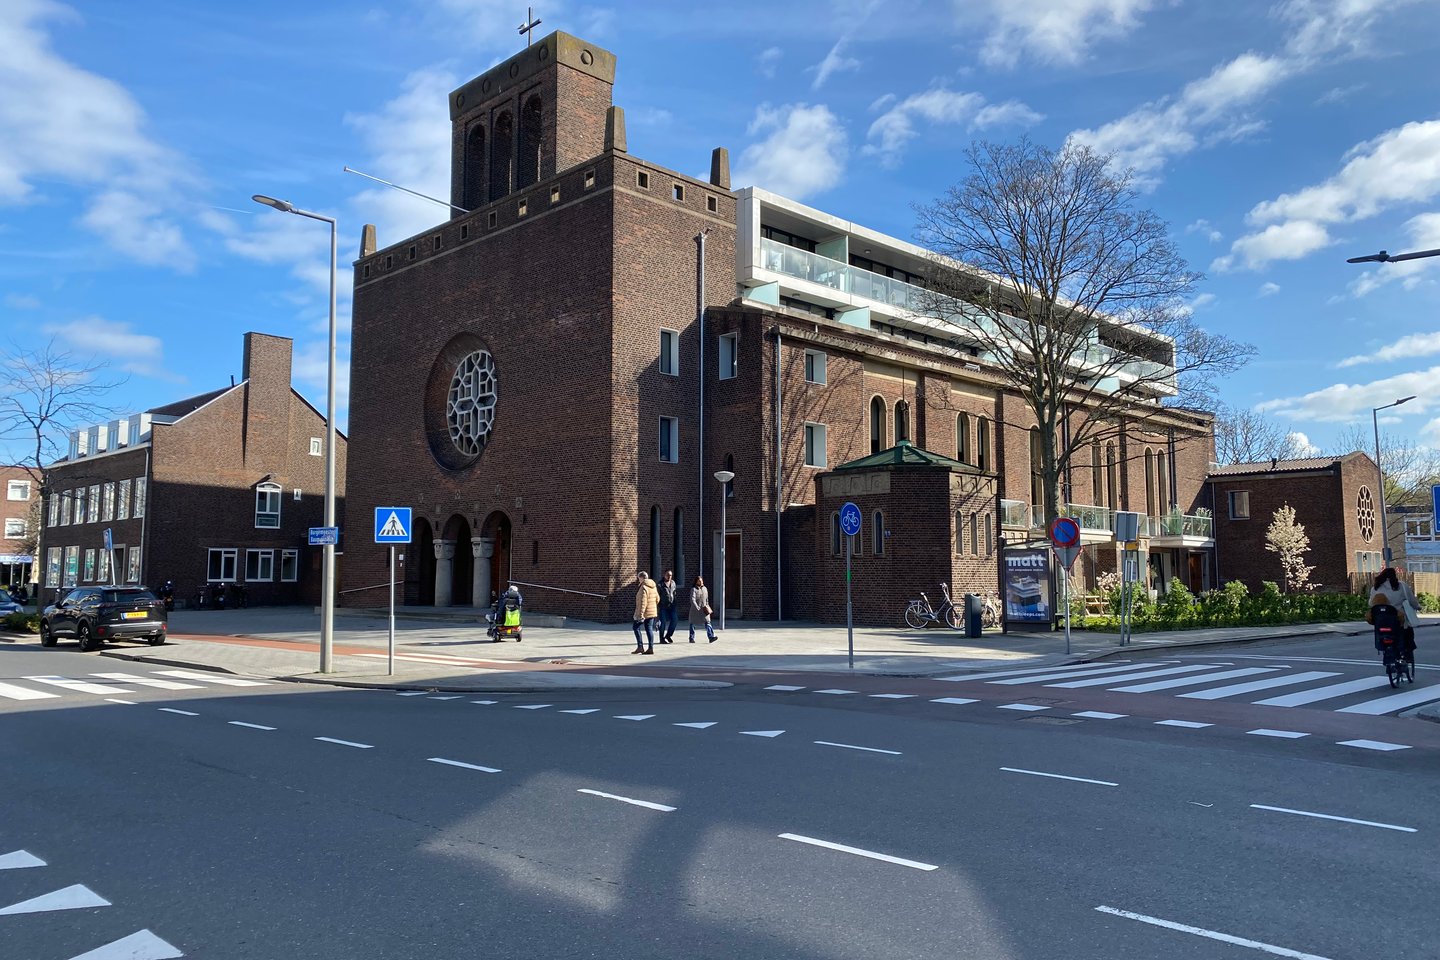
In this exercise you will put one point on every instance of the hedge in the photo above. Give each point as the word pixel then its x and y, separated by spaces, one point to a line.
pixel 1231 606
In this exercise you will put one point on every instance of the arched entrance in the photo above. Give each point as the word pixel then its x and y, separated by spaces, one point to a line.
pixel 454 565
pixel 421 556
pixel 496 531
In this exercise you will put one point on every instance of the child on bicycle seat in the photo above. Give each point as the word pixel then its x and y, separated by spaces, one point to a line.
pixel 1390 590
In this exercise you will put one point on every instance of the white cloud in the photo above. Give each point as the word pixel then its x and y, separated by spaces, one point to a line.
pixel 803 152
pixel 893 130
pixel 1339 94
pixel 1206 230
pixel 1049 31
pixel 767 61
pixel 120 345
pixel 22 301
pixel 1301 445
pixel 835 62
pixel 1279 241
pixel 1407 347
pixel 61 123
pixel 1343 402
pixel 1201 301
pixel 1268 289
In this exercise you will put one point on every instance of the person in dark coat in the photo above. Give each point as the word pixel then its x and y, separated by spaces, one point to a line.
pixel 669 611
pixel 700 609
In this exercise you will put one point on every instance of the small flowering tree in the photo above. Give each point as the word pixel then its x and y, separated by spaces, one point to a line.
pixel 1287 538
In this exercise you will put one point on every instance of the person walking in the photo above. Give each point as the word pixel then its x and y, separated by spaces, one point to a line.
pixel 669 613
pixel 700 609
pixel 647 603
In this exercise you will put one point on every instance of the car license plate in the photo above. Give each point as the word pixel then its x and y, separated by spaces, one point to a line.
pixel 135 615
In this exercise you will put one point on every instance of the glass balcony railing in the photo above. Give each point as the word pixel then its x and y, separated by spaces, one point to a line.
pixel 1092 518
pixel 1015 513
pixel 1188 525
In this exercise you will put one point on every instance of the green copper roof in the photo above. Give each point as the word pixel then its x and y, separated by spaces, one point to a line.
pixel 906 454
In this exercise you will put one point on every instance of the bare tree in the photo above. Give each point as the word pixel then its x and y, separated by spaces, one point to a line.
pixel 1409 469
pixel 1244 436
pixel 1074 295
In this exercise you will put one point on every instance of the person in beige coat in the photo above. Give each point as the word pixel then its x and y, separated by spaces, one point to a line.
pixel 700 609
pixel 647 607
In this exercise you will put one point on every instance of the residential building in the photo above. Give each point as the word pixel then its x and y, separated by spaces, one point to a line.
pixel 19 492
pixel 211 491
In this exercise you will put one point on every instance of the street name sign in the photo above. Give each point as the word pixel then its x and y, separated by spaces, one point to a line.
pixel 392 524
pixel 324 536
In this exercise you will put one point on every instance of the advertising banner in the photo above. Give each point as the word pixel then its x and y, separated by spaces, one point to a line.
pixel 1027 585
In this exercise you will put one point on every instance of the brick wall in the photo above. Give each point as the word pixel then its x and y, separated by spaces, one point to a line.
pixel 1317 499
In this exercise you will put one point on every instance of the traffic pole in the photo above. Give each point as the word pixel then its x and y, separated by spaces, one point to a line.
pixel 390 645
pixel 1065 572
pixel 849 611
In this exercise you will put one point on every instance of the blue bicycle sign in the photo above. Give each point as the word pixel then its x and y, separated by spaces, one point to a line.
pixel 850 519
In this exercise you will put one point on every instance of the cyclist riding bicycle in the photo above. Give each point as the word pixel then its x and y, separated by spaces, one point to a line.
pixel 1390 591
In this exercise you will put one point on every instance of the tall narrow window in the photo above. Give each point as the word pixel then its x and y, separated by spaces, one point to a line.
pixel 677 555
pixel 670 352
pixel 962 438
pixel 669 440
pixel 502 157
pixel 122 500
pixel 989 532
pixel 1149 482
pixel 654 566
pixel 814 444
pixel 1095 473
pixel 1112 479
pixel 475 168
pixel 267 505
pixel 1162 480
pixel 959 533
pixel 140 486
pixel 982 444
pixel 1037 469
pixel 902 421
pixel 835 545
pixel 528 164
pixel 877 533
pixel 877 424
pixel 728 359
pixel 814 366
pixel 974 537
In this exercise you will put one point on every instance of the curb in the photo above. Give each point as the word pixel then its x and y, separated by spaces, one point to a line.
pixel 189 665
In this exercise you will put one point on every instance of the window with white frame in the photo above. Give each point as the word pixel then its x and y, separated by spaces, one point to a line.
pixel 317 447
pixel 132 568
pixel 669 440
pixel 221 568
pixel 814 366
pixel 122 500
pixel 259 565
pixel 90 565
pixel 814 444
pixel 729 359
pixel 107 503
pixel 53 510
pixel 102 567
pixel 289 566
pixel 92 514
pixel 877 533
pixel 17 490
pixel 52 567
pixel 267 505
pixel 14 528
pixel 1239 504
pixel 139 497
pixel 65 500
pixel 72 566
pixel 670 352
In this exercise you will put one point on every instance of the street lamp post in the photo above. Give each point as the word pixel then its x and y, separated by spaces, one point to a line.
pixel 724 476
pixel 1384 520
pixel 327 578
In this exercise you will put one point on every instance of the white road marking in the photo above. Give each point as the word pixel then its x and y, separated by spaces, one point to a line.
pixel 913 864
pixel 1396 701
pixel 1213 935
pixel 183 713
pixel 118 700
pixel 639 803
pixel 785 687
pixel 1028 707
pixel 467 766
pixel 637 716
pixel 1235 689
pixel 1326 816
pixel 1187 724
pixel 533 706
pixel 1325 693
pixel 893 696
pixel 703 725
pixel 347 743
pixel 80 686
pixel 453 696
pixel 837 692
pixel 147 681
pixel 1373 745
pixel 224 681
pixel 412 693
pixel 252 726
pixel 486 703
pixel 1099 715
pixel 11 692
pixel 1016 673
pixel 1127 677
pixel 19 860
pixel 762 733
pixel 1283 734
pixel 851 746
pixel 1060 776
pixel 75 897
pixel 1058 673
pixel 1192 681
pixel 1363 663
pixel 955 700
pixel 141 945
pixel 591 710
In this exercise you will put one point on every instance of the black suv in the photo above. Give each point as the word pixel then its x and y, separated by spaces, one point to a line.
pixel 93 615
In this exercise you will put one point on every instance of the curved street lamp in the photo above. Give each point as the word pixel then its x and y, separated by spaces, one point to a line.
pixel 1384 520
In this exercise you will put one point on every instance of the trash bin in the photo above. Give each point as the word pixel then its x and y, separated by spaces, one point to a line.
pixel 974 612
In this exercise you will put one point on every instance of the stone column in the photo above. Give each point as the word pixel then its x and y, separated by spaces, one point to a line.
pixel 444 567
pixel 482 549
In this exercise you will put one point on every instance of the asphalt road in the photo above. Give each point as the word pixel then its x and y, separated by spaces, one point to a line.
pixel 218 820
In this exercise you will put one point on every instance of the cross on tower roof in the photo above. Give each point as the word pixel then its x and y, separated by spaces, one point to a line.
pixel 527 28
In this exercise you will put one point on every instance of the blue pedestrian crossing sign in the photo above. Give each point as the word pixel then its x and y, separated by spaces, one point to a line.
pixel 392 524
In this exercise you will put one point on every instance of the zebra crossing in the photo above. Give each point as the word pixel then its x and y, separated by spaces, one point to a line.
pixel 1270 683
pixel 111 684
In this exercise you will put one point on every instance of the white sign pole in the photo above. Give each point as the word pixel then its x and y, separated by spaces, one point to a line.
pixel 390 646
pixel 1065 572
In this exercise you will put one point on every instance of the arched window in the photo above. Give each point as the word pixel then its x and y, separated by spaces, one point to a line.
pixel 974 536
pixel 475 168
pixel 982 444
pixel 962 438
pixel 730 484
pixel 1037 468
pixel 502 156
pixel 528 165
pixel 1095 467
pixel 877 424
pixel 877 533
pixel 902 421
pixel 1162 480
pixel 836 547
pixel 678 554
pixel 654 568
pixel 959 533
pixel 1149 482
pixel 1112 479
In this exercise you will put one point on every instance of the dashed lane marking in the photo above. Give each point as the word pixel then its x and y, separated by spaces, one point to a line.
pixel 1373 745
pixel 851 746
pixel 74 897
pixel 1212 935
pixel 1027 707
pixel 591 710
pixel 251 726
pixel 893 696
pixel 1282 734
pixel 183 713
pixel 1059 776
pixel 533 706
pixel 1187 724
pixel 637 716
pixel 956 700
pixel 467 766
pixel 347 743
pixel 663 808
pixel 837 692
pixel 1328 816
pixel 870 854
pixel 702 725
pixel 1099 715
pixel 785 687
pixel 762 733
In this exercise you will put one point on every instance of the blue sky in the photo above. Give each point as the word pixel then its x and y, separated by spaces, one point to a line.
pixel 1277 139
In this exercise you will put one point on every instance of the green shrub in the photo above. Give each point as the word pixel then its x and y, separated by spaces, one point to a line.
pixel 1232 606
pixel 1429 603
pixel 20 623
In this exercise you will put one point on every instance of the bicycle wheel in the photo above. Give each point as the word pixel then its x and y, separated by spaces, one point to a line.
pixel 1410 670
pixel 1394 669
pixel 915 615
pixel 952 617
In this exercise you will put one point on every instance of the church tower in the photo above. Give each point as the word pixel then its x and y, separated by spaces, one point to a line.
pixel 538 113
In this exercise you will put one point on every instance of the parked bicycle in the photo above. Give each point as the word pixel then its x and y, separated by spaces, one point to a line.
pixel 921 614
pixel 989 610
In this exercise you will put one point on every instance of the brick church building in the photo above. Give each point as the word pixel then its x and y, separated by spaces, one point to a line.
pixel 553 376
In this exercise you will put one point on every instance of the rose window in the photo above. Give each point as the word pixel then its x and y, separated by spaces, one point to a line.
pixel 470 403
pixel 1365 514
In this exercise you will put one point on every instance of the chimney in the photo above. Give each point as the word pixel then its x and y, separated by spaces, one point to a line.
pixel 267 402
pixel 720 168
